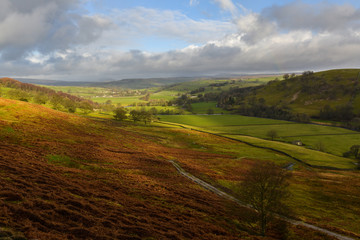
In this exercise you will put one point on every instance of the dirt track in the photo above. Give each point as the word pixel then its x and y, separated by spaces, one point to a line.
pixel 229 197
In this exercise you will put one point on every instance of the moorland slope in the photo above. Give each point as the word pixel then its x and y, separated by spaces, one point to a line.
pixel 68 177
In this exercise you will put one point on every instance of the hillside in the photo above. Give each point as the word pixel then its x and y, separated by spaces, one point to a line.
pixel 13 89
pixel 66 177
pixel 69 177
pixel 310 93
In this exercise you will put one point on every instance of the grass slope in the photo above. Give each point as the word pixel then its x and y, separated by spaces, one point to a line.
pixel 335 140
pixel 68 177
pixel 333 87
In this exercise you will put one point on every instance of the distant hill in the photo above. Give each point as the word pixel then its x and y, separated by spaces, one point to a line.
pixel 141 83
pixel 334 91
pixel 53 82
pixel 138 83
pixel 130 83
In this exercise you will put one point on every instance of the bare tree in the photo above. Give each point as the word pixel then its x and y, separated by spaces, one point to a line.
pixel 265 188
pixel 272 134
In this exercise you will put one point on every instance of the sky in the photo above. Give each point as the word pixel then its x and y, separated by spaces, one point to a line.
pixel 100 40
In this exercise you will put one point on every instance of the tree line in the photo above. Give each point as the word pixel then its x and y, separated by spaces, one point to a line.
pixel 121 114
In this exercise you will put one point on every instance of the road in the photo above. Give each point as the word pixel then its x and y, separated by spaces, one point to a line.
pixel 231 198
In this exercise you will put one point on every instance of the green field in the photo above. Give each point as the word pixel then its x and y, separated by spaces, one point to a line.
pixel 203 107
pixel 249 129
pixel 220 120
pixel 206 83
pixel 166 95
pixel 125 101
pixel 81 91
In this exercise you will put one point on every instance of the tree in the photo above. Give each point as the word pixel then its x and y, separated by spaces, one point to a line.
pixel 355 149
pixel 120 114
pixel 354 152
pixel 40 98
pixel 146 116
pixel 265 187
pixel 320 146
pixel 210 111
pixel 69 105
pixel 286 76
pixel 135 115
pixel 272 134
pixel 55 102
pixel 86 107
pixel 153 111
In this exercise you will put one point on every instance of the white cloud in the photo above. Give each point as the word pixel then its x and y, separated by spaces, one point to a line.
pixel 142 22
pixel 254 27
pixel 227 5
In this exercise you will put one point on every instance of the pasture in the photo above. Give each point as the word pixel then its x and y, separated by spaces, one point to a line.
pixel 165 95
pixel 334 141
pixel 203 108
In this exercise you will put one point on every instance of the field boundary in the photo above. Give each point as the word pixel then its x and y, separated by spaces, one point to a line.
pixel 255 124
pixel 222 194
pixel 262 147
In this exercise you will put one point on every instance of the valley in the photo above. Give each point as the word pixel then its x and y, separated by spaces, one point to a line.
pixel 69 170
pixel 179 120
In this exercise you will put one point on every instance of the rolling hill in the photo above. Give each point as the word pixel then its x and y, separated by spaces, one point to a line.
pixel 309 93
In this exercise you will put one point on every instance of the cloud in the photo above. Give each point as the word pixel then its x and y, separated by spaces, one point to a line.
pixel 68 45
pixel 293 51
pixel 255 28
pixel 318 17
pixel 227 5
pixel 45 26
pixel 143 22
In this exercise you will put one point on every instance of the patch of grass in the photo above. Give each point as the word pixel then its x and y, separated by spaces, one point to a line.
pixel 203 107
pixel 63 161
pixel 166 95
pixel 210 121
pixel 8 129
